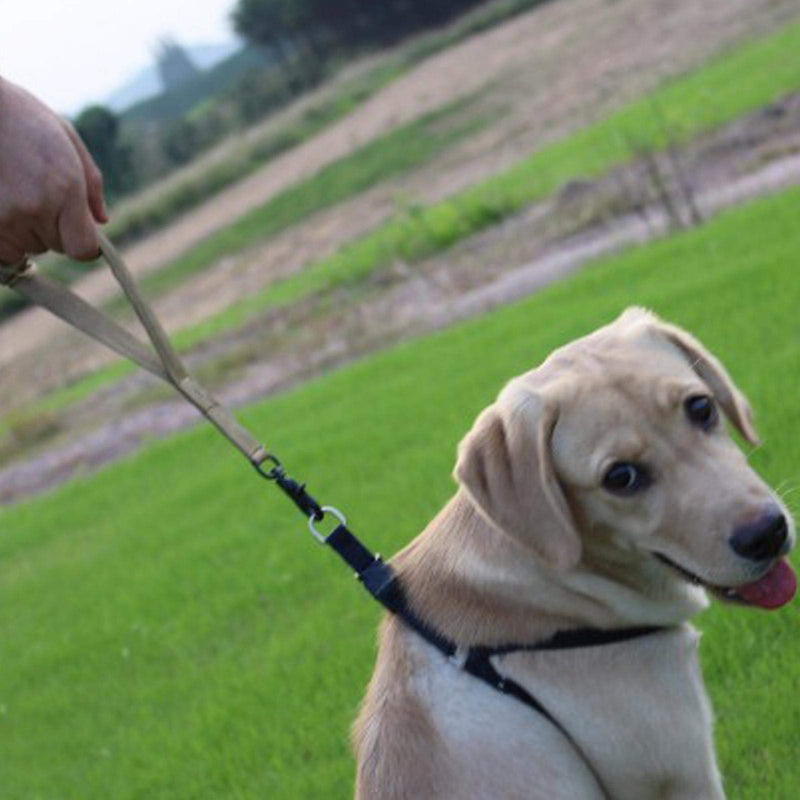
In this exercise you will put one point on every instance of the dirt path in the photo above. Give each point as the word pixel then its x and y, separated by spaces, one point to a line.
pixel 547 67
pixel 441 292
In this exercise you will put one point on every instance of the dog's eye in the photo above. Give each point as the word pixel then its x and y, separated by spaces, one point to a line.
pixel 623 478
pixel 701 411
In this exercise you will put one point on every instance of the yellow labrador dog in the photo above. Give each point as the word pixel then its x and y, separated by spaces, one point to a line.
pixel 540 647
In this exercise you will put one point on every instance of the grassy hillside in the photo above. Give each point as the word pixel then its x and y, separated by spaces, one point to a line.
pixel 203 86
pixel 403 149
pixel 728 86
pixel 170 630
pixel 346 93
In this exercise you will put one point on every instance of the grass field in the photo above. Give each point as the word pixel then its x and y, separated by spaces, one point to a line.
pixel 170 630
pixel 405 148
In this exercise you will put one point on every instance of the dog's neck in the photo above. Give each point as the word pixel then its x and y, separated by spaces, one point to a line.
pixel 476 585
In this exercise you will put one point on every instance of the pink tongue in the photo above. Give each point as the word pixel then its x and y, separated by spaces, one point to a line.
pixel 774 590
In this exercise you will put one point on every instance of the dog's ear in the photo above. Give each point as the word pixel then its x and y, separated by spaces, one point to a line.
pixel 505 466
pixel 730 399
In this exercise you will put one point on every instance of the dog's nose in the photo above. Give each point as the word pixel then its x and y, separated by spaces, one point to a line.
pixel 763 538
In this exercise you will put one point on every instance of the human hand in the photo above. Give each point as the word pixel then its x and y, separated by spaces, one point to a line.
pixel 51 191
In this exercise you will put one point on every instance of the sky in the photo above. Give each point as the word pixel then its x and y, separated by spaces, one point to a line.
pixel 71 53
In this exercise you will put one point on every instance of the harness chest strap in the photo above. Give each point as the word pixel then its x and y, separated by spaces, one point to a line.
pixel 380 581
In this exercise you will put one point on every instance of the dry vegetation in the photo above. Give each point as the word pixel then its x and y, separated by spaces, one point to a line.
pixel 542 75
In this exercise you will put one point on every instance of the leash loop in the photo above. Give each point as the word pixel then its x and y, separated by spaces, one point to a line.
pixel 272 473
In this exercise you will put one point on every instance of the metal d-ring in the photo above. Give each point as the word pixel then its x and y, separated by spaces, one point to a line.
pixel 325 510
pixel 274 472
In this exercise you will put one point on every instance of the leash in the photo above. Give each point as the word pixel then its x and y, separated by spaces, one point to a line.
pixel 377 577
pixel 160 360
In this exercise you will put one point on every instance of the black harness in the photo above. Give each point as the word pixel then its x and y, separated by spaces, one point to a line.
pixel 381 582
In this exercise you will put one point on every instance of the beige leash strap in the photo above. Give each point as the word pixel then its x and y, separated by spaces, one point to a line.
pixel 165 363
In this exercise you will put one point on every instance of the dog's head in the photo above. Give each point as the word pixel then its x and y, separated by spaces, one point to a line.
pixel 618 438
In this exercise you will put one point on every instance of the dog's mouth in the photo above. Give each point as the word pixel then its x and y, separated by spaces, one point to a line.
pixel 775 588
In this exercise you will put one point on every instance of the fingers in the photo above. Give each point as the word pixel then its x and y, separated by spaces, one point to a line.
pixel 14 247
pixel 10 253
pixel 92 176
pixel 84 205
pixel 76 228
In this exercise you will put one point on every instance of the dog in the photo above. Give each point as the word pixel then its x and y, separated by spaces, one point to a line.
pixel 600 491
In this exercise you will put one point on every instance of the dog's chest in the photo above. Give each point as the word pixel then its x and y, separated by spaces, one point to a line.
pixel 638 711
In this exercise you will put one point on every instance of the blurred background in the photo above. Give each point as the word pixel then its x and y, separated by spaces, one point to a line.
pixel 357 220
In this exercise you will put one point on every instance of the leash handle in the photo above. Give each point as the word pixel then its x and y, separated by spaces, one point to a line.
pixel 176 373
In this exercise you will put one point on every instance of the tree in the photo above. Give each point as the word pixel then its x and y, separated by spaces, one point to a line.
pixel 98 126
pixel 319 26
pixel 181 141
pixel 261 23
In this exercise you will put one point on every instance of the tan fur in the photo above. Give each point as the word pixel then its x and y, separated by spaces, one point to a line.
pixel 402 764
pixel 531 543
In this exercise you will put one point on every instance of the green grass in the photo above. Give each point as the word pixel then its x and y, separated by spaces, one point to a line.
pixel 81 389
pixel 170 630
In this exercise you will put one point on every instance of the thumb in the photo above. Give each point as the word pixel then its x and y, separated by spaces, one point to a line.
pixel 77 230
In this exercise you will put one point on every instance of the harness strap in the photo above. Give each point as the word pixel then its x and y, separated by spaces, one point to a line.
pixel 580 637
pixel 381 582
pixel 162 360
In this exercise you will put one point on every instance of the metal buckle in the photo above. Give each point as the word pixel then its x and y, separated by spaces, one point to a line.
pixel 274 472
pixel 325 510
